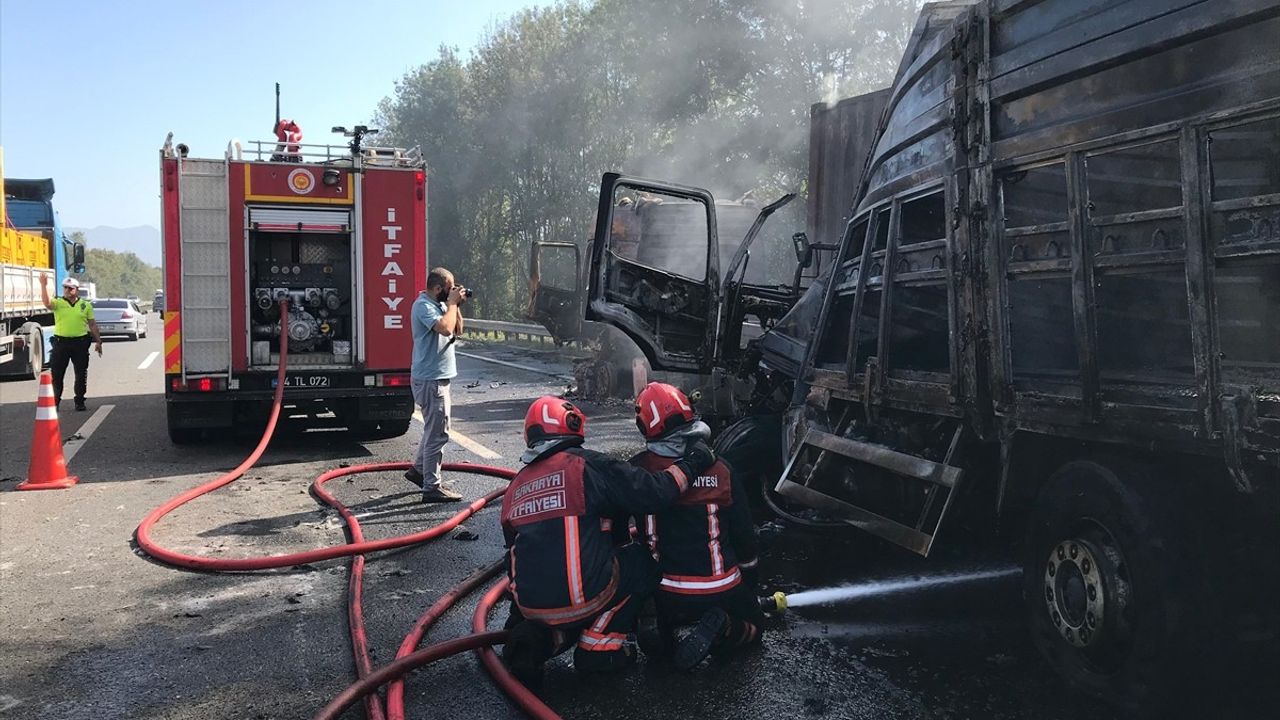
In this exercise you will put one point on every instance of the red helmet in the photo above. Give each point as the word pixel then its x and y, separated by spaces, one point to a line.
pixel 550 417
pixel 661 408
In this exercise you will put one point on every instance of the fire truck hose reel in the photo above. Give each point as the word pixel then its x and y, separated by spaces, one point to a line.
pixel 370 679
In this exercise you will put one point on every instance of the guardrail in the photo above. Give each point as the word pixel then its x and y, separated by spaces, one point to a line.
pixel 508 331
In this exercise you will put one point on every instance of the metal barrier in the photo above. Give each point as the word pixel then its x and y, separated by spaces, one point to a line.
pixel 507 331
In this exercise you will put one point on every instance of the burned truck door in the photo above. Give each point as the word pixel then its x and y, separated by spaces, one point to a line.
pixel 555 289
pixel 655 270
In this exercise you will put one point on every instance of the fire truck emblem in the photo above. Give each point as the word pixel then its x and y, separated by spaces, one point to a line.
pixel 301 181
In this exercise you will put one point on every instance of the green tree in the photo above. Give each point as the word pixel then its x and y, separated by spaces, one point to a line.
pixel 713 93
pixel 117 274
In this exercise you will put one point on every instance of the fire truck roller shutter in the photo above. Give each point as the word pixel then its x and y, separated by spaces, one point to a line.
pixel 299 220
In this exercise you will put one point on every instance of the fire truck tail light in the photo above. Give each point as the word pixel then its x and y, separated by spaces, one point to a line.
pixel 419 178
pixel 393 379
pixel 370 380
pixel 204 384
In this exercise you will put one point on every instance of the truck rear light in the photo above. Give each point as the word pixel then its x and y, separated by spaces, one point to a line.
pixel 393 379
pixel 204 384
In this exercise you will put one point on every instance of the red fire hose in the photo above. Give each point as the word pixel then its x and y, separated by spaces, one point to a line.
pixel 406 659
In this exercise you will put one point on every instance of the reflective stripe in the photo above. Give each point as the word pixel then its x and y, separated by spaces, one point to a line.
pixel 46 413
pixel 682 480
pixel 46 389
pixel 713 544
pixel 651 529
pixel 750 564
pixel 687 585
pixel 573 561
pixel 595 641
pixel 602 622
pixel 571 614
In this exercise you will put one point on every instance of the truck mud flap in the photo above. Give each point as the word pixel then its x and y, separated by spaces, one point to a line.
pixel 825 471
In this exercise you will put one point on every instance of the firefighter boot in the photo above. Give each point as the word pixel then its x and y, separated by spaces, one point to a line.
pixel 654 639
pixel 527 649
pixel 694 647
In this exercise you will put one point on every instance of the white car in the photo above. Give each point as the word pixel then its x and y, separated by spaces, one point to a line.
pixel 119 316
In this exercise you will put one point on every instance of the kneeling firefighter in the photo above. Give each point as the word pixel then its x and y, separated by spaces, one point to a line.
pixel 704 543
pixel 568 580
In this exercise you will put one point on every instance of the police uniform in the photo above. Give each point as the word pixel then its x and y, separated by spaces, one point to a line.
pixel 71 342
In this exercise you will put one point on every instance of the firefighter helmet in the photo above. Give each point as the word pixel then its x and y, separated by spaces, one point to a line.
pixel 661 408
pixel 550 417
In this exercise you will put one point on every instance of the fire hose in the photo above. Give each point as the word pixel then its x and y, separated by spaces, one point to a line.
pixel 407 658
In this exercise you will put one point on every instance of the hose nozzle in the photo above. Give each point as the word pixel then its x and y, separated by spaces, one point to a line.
pixel 774 604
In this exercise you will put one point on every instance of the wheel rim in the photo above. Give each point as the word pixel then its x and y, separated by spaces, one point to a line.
pixel 1086 590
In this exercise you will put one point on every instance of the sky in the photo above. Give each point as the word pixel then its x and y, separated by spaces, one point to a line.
pixel 89 89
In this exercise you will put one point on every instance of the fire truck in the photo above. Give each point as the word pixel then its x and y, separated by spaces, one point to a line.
pixel 325 243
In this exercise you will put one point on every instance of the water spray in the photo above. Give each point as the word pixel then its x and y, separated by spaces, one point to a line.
pixel 778 602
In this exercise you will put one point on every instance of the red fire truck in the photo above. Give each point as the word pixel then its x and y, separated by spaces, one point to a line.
pixel 340 234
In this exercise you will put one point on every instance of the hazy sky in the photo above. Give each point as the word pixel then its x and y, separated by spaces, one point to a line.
pixel 88 89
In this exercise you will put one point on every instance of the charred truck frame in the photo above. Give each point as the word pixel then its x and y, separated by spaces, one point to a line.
pixel 1054 316
pixel 336 232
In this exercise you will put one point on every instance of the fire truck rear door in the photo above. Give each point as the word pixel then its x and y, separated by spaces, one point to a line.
pixel 655 270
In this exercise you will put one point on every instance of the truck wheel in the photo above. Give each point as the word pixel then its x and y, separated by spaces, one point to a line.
pixel 35 351
pixel 1109 582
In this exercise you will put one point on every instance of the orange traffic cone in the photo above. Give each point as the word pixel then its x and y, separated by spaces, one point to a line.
pixel 48 469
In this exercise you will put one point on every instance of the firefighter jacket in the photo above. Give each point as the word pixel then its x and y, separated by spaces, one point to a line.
pixel 704 540
pixel 555 517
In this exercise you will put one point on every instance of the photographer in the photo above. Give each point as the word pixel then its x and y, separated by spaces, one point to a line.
pixel 436 321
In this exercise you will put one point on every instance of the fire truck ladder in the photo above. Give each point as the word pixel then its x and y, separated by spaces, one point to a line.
pixel 206 268
pixel 801 481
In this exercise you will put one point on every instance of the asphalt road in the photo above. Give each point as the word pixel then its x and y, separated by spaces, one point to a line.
pixel 91 629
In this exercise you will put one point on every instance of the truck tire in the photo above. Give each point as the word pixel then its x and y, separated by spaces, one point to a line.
pixel 1110 582
pixel 35 350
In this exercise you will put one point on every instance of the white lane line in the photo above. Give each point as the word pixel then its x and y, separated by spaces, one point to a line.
pixel 70 449
pixel 150 359
pixel 504 363
pixel 464 441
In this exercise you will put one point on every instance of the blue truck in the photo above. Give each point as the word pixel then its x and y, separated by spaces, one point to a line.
pixel 32 248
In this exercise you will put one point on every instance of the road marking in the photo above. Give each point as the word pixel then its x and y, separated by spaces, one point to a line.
pixel 150 359
pixel 70 449
pixel 504 363
pixel 464 441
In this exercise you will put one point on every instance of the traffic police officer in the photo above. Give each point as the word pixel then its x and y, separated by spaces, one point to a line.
pixel 72 326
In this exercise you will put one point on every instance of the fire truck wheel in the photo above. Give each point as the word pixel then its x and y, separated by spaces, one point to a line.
pixel 1111 584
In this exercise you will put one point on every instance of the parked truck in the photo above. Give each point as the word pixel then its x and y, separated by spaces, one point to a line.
pixel 338 233
pixel 33 250
pixel 1054 318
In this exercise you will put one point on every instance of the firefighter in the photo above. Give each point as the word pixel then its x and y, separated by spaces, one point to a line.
pixel 569 583
pixel 73 327
pixel 704 543
pixel 289 135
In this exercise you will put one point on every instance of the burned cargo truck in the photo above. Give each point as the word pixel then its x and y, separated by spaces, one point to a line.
pixel 1054 316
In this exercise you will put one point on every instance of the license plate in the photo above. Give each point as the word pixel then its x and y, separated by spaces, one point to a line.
pixel 303 381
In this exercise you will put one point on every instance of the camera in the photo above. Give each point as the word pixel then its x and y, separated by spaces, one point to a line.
pixel 468 292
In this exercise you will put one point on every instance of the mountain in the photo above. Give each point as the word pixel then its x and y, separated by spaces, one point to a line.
pixel 142 240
